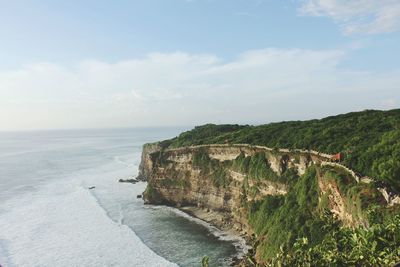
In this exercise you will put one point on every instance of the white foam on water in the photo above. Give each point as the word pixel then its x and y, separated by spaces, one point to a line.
pixel 63 225
pixel 238 241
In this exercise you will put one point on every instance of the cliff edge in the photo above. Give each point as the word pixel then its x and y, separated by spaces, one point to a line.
pixel 242 183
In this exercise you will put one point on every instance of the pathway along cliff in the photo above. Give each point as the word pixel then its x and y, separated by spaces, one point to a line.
pixel 271 196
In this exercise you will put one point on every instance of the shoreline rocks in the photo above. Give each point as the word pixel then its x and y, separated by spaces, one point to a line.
pixel 132 181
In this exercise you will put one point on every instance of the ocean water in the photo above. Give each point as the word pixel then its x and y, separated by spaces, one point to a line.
pixel 49 217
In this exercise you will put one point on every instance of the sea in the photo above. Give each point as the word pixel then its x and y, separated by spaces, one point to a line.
pixel 50 217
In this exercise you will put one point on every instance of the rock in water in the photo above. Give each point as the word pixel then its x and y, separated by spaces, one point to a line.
pixel 133 181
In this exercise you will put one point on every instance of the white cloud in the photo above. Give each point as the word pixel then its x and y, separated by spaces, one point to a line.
pixel 182 89
pixel 358 16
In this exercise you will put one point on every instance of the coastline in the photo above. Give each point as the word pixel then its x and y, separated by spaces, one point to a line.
pixel 215 222
pixel 213 218
pixel 209 220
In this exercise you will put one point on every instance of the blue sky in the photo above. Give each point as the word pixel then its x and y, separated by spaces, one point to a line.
pixel 74 64
pixel 69 31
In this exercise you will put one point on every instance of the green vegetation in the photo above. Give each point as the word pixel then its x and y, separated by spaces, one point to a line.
pixel 211 167
pixel 279 220
pixel 201 135
pixel 150 193
pixel 359 197
pixel 177 179
pixel 182 183
pixel 204 261
pixel 370 140
pixel 385 157
pixel 379 245
pixel 255 166
pixel 298 229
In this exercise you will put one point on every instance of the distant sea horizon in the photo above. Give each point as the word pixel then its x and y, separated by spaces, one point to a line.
pixel 50 217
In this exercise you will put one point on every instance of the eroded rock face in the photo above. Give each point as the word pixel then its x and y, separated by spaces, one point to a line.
pixel 211 177
pixel 174 179
pixel 337 203
pixel 146 164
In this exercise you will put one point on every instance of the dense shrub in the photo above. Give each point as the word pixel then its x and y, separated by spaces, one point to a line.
pixel 211 167
pixel 256 166
pixel 378 245
pixel 370 140
pixel 280 220
pixel 296 229
pixel 201 135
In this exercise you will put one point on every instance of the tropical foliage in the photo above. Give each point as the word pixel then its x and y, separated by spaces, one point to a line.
pixel 369 140
pixel 280 220
pixel 297 229
pixel 379 245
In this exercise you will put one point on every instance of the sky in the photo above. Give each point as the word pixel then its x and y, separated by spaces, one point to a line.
pixel 139 63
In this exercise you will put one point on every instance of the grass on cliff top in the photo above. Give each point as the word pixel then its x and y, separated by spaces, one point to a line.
pixel 370 140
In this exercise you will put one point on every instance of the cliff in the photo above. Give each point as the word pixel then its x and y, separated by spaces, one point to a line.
pixel 235 181
pixel 146 164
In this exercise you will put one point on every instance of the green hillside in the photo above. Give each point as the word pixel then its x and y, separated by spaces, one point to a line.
pixel 369 140
pixel 298 229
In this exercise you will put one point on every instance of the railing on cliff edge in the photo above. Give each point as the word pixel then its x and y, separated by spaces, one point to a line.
pixel 318 154
pixel 324 157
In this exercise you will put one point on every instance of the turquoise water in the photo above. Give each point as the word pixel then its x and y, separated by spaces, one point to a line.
pixel 49 217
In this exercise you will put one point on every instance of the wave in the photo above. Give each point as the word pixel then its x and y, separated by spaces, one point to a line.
pixel 238 241
pixel 65 225
pixel 127 162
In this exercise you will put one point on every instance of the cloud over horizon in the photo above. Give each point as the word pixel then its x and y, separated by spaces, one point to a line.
pixel 357 16
pixel 184 89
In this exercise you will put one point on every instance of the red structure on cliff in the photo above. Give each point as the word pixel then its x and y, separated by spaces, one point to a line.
pixel 337 157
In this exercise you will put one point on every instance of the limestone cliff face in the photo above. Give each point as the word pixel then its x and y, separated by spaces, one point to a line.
pixel 339 205
pixel 146 164
pixel 174 178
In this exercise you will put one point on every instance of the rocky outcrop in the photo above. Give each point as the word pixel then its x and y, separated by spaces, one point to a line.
pixel 146 164
pixel 174 178
pixel 390 198
pixel 337 202
pixel 217 179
